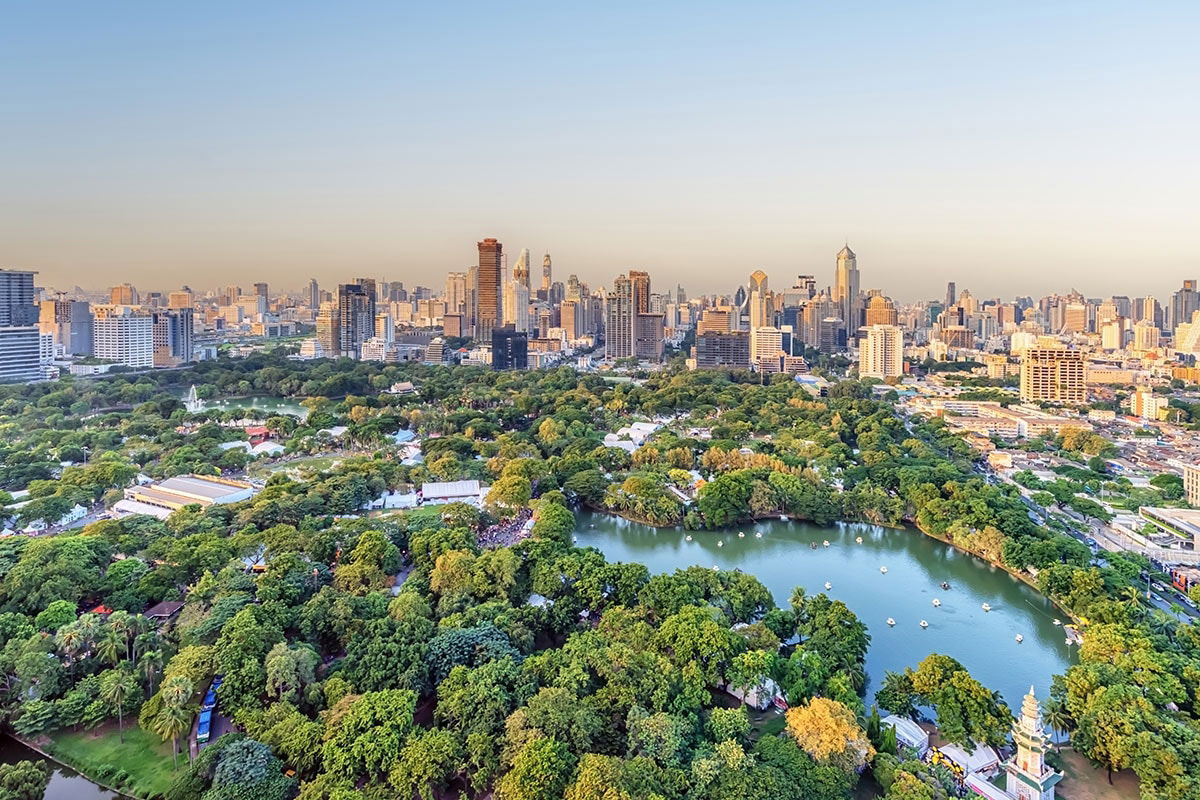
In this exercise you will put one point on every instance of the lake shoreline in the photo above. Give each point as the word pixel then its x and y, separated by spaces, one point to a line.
pixel 48 756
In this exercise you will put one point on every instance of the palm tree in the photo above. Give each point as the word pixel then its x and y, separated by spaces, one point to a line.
pixel 170 723
pixel 149 665
pixel 121 624
pixel 116 687
pixel 1058 718
pixel 108 648
pixel 70 642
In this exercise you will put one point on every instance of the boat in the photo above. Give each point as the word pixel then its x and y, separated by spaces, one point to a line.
pixel 716 568
pixel 741 534
pixel 883 570
pixel 828 585
pixel 758 535
pixel 826 543
pixel 945 585
pixel 986 607
pixel 812 546
pixel 858 540
pixel 1069 642
pixel 688 537
pixel 891 621
pixel 783 517
pixel 1058 622
pixel 720 543
pixel 924 624
pixel 936 602
pixel 1020 638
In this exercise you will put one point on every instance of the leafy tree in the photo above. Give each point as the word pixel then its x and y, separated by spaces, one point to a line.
pixel 24 780
pixel 540 771
pixel 829 732
pixel 366 740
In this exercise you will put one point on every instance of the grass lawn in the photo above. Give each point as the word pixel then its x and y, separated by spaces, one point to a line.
pixel 1082 781
pixel 310 462
pixel 100 754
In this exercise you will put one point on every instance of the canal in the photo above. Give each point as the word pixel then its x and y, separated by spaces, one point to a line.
pixel 65 784
pixel 783 558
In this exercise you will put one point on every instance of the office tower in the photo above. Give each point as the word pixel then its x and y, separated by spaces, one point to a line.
pixel 717 349
pixel 958 337
pixel 356 318
pixel 845 289
pixel 882 352
pixel 1148 309
pixel 807 284
pixel 69 323
pixel 456 291
pixel 453 325
pixel 831 336
pixel 1145 336
pixel 881 311
pixel 556 294
pixel 1183 303
pixel 1187 336
pixel 314 294
pixel 510 348
pixel 521 270
pixel 641 291
pixel 260 289
pixel 1075 318
pixel 757 302
pixel 488 309
pixel 547 273
pixel 124 295
pixel 1112 334
pixel 328 330
pixel 1054 375
pixel 516 303
pixel 181 298
pixel 173 336
pixel 951 294
pixel 20 340
pixel 765 344
pixel 123 334
pixel 648 337
pixel 815 312
pixel 967 302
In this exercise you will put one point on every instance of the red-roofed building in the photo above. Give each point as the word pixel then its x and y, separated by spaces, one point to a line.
pixel 257 434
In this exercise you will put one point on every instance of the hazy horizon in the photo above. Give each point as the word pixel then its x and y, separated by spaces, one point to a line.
pixel 1021 149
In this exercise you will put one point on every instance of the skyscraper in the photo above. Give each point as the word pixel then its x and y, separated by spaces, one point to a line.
pixel 20 340
pixel 1052 375
pixel 314 294
pixel 845 288
pixel 173 336
pixel 123 334
pixel 260 289
pixel 487 311
pixel 881 311
pixel 546 273
pixel 516 304
pixel 69 323
pixel 951 294
pixel 456 291
pixel 521 270
pixel 619 319
pixel 1183 303
pixel 356 318
pixel 328 330
pixel 759 308
pixel 123 295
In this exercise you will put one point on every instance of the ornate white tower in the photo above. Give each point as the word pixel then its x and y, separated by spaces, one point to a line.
pixel 1028 776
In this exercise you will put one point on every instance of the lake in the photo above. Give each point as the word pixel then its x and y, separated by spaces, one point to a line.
pixel 265 403
pixel 985 642
pixel 65 784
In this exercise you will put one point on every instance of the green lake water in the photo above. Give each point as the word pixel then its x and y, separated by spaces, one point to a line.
pixel 985 642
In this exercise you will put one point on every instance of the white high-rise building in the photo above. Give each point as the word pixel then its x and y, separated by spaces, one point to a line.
pixel 1145 336
pixel 516 303
pixel 456 292
pixel 882 352
pixel 759 308
pixel 124 334
pixel 521 270
pixel 766 343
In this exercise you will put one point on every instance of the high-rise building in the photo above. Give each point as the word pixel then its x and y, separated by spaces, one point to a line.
pixel 758 301
pixel 456 291
pixel 881 311
pixel 385 329
pixel 435 351
pixel 69 323
pixel 1075 318
pixel 1145 404
pixel 510 348
pixel 314 294
pixel 547 273
pixel 181 298
pixel 648 337
pixel 717 349
pixel 124 334
pixel 845 289
pixel 173 336
pixel 716 320
pixel 766 344
pixel 260 289
pixel 1184 302
pixel 328 330
pixel 1054 375
pixel 488 309
pixel 124 295
pixel 521 270
pixel 641 291
pixel 20 340
pixel 1145 336
pixel 882 352
pixel 951 294
pixel 516 303
pixel 620 316
pixel 356 318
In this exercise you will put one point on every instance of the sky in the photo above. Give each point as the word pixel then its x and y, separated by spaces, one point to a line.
pixel 1015 148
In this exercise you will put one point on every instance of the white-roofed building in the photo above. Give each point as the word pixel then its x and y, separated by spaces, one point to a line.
pixel 909 734
pixel 163 498
pixel 434 494
pixel 982 759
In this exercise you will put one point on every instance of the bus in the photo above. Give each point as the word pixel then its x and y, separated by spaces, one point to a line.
pixel 203 729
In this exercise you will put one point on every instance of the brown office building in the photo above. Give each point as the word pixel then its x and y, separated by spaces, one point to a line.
pixel 716 349
pixel 487 312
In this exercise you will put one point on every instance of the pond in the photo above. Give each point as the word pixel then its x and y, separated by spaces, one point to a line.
pixel 783 558
pixel 65 783
pixel 268 404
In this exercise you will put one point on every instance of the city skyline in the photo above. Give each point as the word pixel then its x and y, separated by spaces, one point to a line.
pixel 948 147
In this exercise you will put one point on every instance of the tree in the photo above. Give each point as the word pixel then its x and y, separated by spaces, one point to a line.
pixel 540 771
pixel 366 739
pixel 430 759
pixel 897 694
pixel 510 493
pixel 289 669
pixel 24 780
pixel 174 718
pixel 117 686
pixel 828 731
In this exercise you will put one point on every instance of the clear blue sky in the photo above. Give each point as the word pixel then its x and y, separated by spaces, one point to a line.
pixel 1012 147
